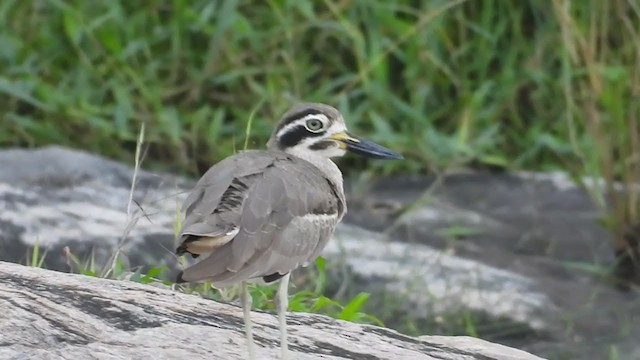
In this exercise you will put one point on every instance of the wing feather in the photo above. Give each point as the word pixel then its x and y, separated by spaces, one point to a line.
pixel 274 234
pixel 214 206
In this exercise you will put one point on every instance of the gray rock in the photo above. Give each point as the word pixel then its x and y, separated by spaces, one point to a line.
pixel 476 213
pixel 48 315
pixel 532 226
pixel 56 198
pixel 87 213
pixel 504 249
pixel 433 282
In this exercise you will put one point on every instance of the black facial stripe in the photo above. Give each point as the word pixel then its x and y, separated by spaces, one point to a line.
pixel 321 145
pixel 296 116
pixel 295 135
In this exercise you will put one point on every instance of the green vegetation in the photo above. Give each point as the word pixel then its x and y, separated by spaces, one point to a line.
pixel 448 83
pixel 310 298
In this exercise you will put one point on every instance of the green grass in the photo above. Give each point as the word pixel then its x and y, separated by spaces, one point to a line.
pixel 310 295
pixel 447 83
pixel 309 298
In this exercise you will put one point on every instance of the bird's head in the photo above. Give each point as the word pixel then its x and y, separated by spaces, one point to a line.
pixel 313 129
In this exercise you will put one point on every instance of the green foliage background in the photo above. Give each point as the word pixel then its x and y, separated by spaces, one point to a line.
pixel 445 82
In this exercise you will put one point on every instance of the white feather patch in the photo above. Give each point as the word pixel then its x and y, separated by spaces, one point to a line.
pixel 319 217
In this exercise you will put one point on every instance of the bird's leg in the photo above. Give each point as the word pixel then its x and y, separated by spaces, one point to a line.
pixel 246 300
pixel 283 304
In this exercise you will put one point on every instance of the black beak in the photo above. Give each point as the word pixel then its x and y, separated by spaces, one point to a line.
pixel 368 148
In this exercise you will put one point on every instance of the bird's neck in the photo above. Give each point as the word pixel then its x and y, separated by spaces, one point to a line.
pixel 324 164
pixel 332 173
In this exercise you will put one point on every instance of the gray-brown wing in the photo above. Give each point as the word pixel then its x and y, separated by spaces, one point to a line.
pixel 212 209
pixel 288 216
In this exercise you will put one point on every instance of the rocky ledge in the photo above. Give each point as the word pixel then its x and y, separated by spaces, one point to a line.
pixel 51 315
pixel 514 259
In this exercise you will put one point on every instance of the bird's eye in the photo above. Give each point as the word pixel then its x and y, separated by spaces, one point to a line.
pixel 314 125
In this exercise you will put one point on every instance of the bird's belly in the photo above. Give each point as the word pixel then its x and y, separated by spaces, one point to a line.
pixel 302 241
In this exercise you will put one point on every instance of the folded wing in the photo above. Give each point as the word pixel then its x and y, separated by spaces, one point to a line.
pixel 258 214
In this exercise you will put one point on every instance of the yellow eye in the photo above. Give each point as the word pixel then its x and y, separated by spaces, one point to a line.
pixel 314 125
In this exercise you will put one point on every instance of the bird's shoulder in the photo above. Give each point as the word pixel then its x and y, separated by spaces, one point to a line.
pixel 269 163
pixel 274 171
pixel 299 185
pixel 250 162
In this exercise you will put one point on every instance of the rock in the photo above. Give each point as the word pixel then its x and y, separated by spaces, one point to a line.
pixel 541 230
pixel 552 311
pixel 434 282
pixel 475 213
pixel 502 253
pixel 56 198
pixel 49 315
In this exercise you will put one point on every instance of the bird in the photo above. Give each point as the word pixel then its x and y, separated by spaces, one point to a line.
pixel 259 214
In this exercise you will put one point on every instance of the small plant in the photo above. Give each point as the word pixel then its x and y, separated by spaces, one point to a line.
pixel 313 301
pixel 153 275
pixel 36 259
pixel 600 95
pixel 309 301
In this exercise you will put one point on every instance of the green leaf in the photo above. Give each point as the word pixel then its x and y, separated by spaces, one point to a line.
pixel 325 303
pixel 156 271
pixel 34 253
pixel 22 91
pixel 354 306
pixel 321 280
pixel 304 6
pixel 469 325
pixel 89 273
pixel 136 276
pixel 72 27
pixel 118 269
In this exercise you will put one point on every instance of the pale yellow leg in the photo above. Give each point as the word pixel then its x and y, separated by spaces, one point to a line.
pixel 283 304
pixel 247 301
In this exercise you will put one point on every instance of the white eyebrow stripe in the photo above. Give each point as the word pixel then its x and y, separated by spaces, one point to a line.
pixel 301 121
